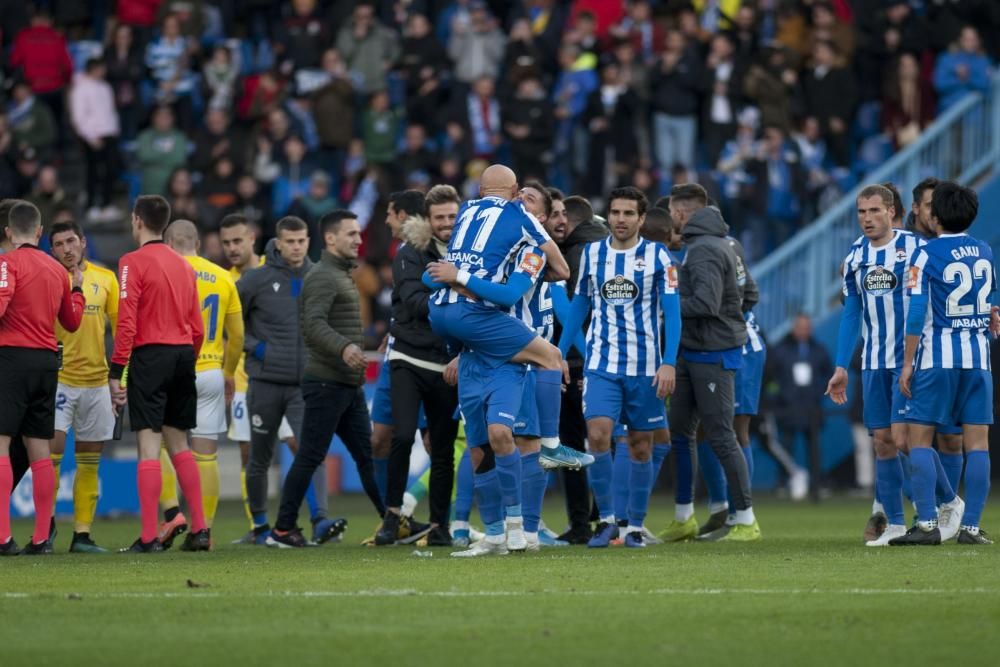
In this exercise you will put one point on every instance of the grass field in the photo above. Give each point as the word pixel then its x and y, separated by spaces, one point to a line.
pixel 810 593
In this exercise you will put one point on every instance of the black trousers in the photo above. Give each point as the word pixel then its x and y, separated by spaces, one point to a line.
pixel 102 168
pixel 411 386
pixel 331 408
pixel 573 433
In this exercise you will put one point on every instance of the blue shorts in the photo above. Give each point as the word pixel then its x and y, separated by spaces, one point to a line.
pixel 382 401
pixel 526 425
pixel 491 333
pixel 630 400
pixel 883 402
pixel 620 432
pixel 487 396
pixel 949 396
pixel 748 381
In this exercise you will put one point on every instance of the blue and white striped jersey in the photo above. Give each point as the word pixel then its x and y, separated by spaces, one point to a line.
pixel 487 237
pixel 878 276
pixel 956 273
pixel 624 287
pixel 755 342
pixel 535 307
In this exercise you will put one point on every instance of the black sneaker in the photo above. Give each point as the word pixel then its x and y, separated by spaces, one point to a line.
pixel 82 544
pixel 714 523
pixel 439 537
pixel 42 549
pixel 577 535
pixel 140 547
pixel 200 541
pixel 876 526
pixel 417 530
pixel 10 548
pixel 388 532
pixel 917 536
pixel 965 537
pixel 293 539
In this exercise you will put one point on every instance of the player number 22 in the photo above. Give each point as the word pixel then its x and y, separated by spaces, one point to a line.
pixel 960 273
pixel 211 302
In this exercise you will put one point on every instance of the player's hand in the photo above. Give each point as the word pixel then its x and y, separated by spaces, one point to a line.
pixel 904 381
pixel 119 395
pixel 443 272
pixel 836 388
pixel 665 380
pixel 355 357
pixel 77 277
pixel 384 344
pixel 565 372
pixel 229 384
pixel 995 321
pixel 450 372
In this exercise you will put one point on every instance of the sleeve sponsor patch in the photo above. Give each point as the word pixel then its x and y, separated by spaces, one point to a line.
pixel 913 277
pixel 531 264
pixel 672 277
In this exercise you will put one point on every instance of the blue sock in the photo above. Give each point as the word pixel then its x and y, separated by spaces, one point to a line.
pixel 712 473
pixel 748 455
pixel 952 464
pixel 311 501
pixel 660 454
pixel 464 487
pixel 889 482
pixel 640 484
pixel 684 495
pixel 620 481
pixel 260 519
pixel 509 472
pixel 907 476
pixel 548 398
pixel 923 472
pixel 600 475
pixel 533 480
pixel 977 486
pixel 488 496
pixel 943 490
pixel 381 476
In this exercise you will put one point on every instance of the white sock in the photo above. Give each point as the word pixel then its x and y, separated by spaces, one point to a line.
pixel 971 530
pixel 745 517
pixel 633 529
pixel 683 512
pixel 715 508
pixel 459 525
pixel 550 443
pixel 877 508
pixel 610 519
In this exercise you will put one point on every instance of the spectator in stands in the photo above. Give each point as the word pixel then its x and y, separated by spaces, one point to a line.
pixel 218 192
pixel 965 68
pixel 333 109
pixel 139 15
pixel 908 105
pixel 313 205
pixel 819 186
pixel 255 206
pixel 301 36
pixel 380 130
pixel 169 60
pixel 896 31
pixel 475 126
pixel 95 119
pixel 8 175
pixel 185 202
pixel 675 83
pixel 40 52
pixel 218 140
pixel 638 28
pixel 770 84
pixel 523 57
pixel 735 179
pixel 369 48
pixel 31 121
pixel 125 68
pixel 746 34
pixel 292 176
pixel 826 27
pixel 422 56
pixel 220 74
pixel 779 187
pixel 723 84
pixel 417 154
pixel 160 150
pixel 576 81
pixel 476 46
pixel 262 93
pixel 48 194
pixel 611 117
pixel 830 95
pixel 530 126
pixel 190 15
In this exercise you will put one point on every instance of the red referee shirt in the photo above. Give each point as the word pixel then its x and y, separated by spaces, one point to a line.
pixel 158 303
pixel 33 293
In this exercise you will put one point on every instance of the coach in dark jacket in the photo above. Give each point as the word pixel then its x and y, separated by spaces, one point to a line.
pixel 417 361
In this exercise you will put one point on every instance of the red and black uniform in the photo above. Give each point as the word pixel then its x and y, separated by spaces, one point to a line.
pixel 159 335
pixel 34 293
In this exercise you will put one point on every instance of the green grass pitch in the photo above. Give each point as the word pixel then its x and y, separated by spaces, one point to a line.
pixel 809 594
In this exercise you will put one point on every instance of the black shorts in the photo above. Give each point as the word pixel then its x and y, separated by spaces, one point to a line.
pixel 161 388
pixel 28 380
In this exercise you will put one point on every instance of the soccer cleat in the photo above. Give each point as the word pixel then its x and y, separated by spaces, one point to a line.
pixel 200 541
pixel 562 456
pixel 82 544
pixel 950 518
pixel 414 529
pixel 633 540
pixel 716 535
pixel 925 533
pixel 620 540
pixel 679 531
pixel 545 539
pixel 889 533
pixel 475 535
pixel 515 535
pixel 603 536
pixel 249 538
pixel 40 549
pixel 966 537
pixel 491 545
pixel 388 532
pixel 439 537
pixel 140 547
pixel 715 522
pixel 10 548
pixel 649 538
pixel 577 535
pixel 291 539
pixel 460 538
pixel 798 485
pixel 169 530
pixel 877 523
pixel 742 532
pixel 533 541
pixel 326 530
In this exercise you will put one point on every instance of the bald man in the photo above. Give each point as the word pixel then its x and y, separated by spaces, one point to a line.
pixel 498 251
pixel 220 353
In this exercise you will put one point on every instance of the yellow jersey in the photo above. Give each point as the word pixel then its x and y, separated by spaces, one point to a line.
pixel 85 360
pixel 241 380
pixel 218 297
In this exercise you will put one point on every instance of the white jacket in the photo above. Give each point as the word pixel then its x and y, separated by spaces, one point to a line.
pixel 92 108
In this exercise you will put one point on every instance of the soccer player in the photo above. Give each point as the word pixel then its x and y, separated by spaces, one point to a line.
pixel 875 272
pixel 83 401
pixel 222 316
pixel 34 293
pixel 630 285
pixel 946 367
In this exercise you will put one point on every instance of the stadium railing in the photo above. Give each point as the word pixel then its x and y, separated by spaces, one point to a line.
pixel 803 275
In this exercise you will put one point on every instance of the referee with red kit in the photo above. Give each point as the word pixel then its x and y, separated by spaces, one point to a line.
pixel 159 336
pixel 34 293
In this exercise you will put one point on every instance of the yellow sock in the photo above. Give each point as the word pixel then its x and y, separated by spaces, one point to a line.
pixel 245 497
pixel 85 491
pixel 168 494
pixel 208 469
pixel 56 463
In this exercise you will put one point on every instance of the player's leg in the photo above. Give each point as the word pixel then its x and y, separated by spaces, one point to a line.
pixel 683 418
pixel 67 400
pixel 620 474
pixel 382 427
pixel 289 432
pixel 889 481
pixel 661 449
pixel 715 482
pixel 93 424
pixel 205 438
pixel 603 398
pixel 640 448
pixel 573 433
pixel 464 493
pixel 239 432
pixel 439 402
pixel 7 545
pixel 975 412
pixel 950 452
pixel 884 406
pixel 533 476
pixel 266 407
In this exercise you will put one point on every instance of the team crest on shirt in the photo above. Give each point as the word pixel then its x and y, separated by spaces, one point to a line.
pixel 619 291
pixel 879 280
pixel 900 255
pixel 639 264
pixel 276 286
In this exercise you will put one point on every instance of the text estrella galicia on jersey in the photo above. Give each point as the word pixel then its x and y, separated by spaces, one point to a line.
pixel 619 291
pixel 879 281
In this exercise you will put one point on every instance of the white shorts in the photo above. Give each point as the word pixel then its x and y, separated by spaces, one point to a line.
pixel 239 426
pixel 211 386
pixel 87 410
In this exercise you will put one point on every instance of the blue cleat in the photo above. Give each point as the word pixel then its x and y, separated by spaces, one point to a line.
pixel 603 535
pixel 327 530
pixel 260 535
pixel 545 539
pixel 634 540
pixel 563 457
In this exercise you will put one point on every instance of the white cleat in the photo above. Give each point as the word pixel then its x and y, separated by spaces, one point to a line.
pixel 475 535
pixel 531 539
pixel 890 533
pixel 493 545
pixel 950 518
pixel 798 485
pixel 515 535
pixel 649 538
